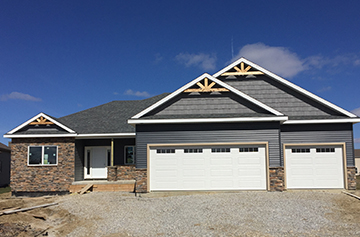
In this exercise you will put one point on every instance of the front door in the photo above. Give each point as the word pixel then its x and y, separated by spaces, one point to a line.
pixel 96 162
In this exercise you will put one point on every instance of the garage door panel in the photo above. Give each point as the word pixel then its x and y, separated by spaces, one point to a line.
pixel 298 160
pixel 221 184
pixel 193 161
pixel 319 168
pixel 251 172
pixel 166 161
pixel 194 185
pixel 221 160
pixel 221 172
pixel 194 173
pixel 250 160
pixel 211 169
pixel 166 173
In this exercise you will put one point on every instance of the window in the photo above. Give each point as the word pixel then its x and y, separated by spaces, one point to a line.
pixel 248 149
pixel 129 155
pixel 161 151
pixel 300 150
pixel 220 150
pixel 193 150
pixel 42 155
pixel 321 150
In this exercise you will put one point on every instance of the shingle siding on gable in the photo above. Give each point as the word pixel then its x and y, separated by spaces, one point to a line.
pixel 280 97
pixel 321 133
pixel 207 133
pixel 205 103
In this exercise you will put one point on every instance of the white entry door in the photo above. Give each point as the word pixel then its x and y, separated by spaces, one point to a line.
pixel 96 162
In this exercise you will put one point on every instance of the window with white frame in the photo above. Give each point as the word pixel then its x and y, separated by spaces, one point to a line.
pixel 42 155
pixel 129 155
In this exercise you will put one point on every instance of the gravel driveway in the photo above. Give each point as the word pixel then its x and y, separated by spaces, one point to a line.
pixel 305 213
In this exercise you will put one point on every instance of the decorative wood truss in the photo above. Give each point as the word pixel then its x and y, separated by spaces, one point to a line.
pixel 242 71
pixel 206 87
pixel 41 121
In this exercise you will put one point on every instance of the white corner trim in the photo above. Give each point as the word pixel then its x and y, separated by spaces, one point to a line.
pixel 37 116
pixel 207 120
pixel 287 83
pixel 350 120
pixel 196 80
pixel 37 135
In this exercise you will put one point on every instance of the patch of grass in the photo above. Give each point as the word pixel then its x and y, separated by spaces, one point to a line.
pixel 358 182
pixel 8 189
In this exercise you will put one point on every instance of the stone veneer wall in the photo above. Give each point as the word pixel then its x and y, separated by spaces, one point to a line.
pixel 351 178
pixel 129 172
pixel 276 176
pixel 46 179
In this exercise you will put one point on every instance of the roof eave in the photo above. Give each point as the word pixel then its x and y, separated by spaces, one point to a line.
pixel 207 120
pixel 312 121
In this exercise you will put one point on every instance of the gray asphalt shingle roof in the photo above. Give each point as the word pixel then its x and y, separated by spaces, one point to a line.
pixel 108 118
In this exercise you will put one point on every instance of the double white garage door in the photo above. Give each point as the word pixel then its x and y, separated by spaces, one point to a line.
pixel 208 168
pixel 242 167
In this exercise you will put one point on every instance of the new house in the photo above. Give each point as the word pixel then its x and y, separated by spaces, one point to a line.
pixel 242 128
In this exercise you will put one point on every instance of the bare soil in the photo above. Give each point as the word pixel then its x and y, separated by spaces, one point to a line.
pixel 47 221
pixel 55 221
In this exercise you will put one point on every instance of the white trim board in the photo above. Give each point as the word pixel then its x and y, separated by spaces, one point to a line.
pixel 287 83
pixel 105 135
pixel 206 120
pixel 349 120
pixel 38 116
pixel 196 80
pixel 77 136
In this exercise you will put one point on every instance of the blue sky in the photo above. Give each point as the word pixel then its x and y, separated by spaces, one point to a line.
pixel 61 57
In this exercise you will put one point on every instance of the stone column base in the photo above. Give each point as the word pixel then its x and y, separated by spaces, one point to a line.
pixel 276 179
pixel 351 178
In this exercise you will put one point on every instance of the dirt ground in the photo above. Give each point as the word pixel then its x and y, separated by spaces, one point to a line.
pixel 55 221
pixel 37 222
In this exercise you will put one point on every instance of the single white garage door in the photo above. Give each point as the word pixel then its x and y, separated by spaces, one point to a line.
pixel 208 168
pixel 314 167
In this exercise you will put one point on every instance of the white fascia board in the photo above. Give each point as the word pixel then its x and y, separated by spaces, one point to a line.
pixel 37 135
pixel 287 83
pixel 37 116
pixel 77 136
pixel 350 120
pixel 206 120
pixel 203 76
pixel 105 135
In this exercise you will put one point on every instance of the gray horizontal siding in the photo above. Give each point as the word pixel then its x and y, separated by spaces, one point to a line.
pixel 208 103
pixel 207 133
pixel 280 97
pixel 321 133
pixel 79 160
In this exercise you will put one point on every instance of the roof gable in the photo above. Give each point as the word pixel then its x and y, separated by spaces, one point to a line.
pixel 206 83
pixel 41 124
pixel 251 68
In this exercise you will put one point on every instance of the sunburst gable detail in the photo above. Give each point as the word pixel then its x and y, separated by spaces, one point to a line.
pixel 242 71
pixel 206 87
pixel 41 121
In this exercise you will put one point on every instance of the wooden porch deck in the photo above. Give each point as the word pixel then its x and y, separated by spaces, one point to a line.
pixel 104 186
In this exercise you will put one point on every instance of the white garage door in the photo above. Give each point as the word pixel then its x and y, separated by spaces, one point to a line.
pixel 314 167
pixel 208 168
